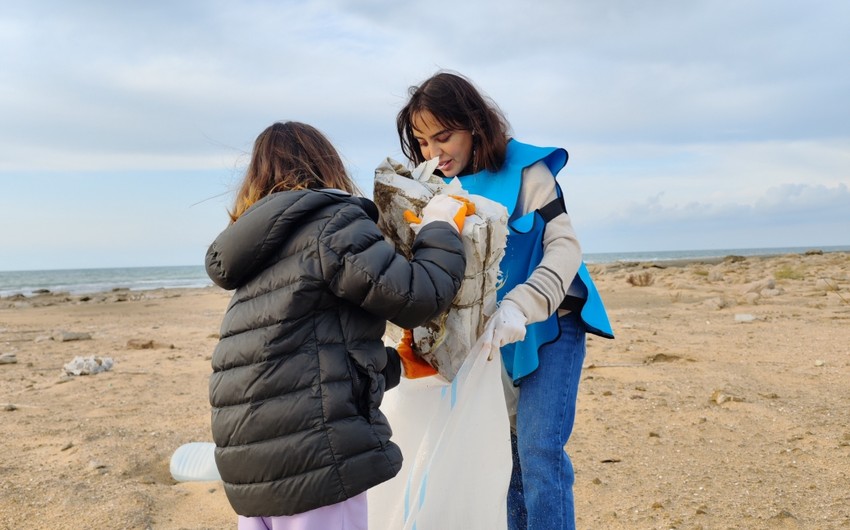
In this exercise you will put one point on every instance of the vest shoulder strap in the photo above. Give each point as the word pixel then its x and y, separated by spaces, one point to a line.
pixel 552 210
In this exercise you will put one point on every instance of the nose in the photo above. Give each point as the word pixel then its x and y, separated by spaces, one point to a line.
pixel 432 151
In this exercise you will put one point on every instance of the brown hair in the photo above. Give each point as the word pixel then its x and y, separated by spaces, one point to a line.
pixel 457 105
pixel 290 156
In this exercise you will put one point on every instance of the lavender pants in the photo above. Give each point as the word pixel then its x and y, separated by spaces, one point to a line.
pixel 351 514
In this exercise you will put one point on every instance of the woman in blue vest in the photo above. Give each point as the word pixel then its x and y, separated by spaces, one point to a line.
pixel 547 301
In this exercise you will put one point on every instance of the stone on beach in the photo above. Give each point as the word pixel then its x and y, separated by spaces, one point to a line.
pixel 67 336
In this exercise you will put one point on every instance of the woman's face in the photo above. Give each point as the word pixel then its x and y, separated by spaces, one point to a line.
pixel 454 147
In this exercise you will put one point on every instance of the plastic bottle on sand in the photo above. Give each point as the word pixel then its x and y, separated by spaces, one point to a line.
pixel 194 461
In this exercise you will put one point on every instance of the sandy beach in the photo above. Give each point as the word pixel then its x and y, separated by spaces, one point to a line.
pixel 723 403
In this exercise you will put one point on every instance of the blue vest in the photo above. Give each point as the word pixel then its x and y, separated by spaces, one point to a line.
pixel 525 250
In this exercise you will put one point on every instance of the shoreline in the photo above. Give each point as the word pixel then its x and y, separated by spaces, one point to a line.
pixel 42 296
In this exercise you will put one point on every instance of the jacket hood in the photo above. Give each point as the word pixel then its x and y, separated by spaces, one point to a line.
pixel 243 249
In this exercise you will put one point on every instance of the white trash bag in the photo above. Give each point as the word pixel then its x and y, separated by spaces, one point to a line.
pixel 455 438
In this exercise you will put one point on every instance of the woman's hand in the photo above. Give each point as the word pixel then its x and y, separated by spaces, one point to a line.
pixel 506 326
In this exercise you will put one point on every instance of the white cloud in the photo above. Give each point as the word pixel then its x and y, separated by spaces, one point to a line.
pixel 687 110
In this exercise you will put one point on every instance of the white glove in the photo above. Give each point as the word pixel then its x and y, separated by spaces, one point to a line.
pixel 506 326
pixel 440 208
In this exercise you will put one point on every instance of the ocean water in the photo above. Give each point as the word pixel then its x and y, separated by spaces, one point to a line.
pixel 86 281
pixel 79 281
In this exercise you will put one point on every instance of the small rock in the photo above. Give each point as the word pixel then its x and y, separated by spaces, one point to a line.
pixel 8 358
pixel 10 407
pixel 66 336
pixel 784 514
pixel 67 446
pixel 744 317
pixel 140 344
pixel 720 397
pixel 820 362
pixel 661 358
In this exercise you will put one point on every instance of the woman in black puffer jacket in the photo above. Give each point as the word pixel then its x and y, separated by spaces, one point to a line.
pixel 301 368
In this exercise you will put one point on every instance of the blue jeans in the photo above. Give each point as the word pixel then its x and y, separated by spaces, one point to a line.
pixel 540 496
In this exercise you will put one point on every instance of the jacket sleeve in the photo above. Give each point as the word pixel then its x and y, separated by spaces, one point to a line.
pixel 360 266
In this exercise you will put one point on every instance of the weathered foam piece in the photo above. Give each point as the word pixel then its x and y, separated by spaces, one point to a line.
pixel 445 342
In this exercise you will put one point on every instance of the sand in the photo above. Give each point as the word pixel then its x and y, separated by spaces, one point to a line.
pixel 724 402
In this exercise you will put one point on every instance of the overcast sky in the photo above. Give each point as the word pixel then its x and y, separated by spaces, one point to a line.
pixel 125 127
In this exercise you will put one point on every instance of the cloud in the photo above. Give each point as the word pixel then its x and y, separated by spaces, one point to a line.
pixel 687 111
pixel 785 215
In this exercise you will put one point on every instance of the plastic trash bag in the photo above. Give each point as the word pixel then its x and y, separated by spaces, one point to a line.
pixel 455 439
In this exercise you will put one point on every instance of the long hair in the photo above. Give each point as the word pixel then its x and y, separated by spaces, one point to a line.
pixel 289 156
pixel 456 105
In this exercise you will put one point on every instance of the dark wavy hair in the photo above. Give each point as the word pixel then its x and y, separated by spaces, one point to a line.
pixel 456 105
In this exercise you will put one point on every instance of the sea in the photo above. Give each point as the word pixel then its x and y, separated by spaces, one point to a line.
pixel 88 281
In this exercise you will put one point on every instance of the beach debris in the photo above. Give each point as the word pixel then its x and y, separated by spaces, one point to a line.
pixel 10 407
pixel 8 358
pixel 720 397
pixel 744 317
pixel 661 358
pixel 88 365
pixel 820 362
pixel 140 344
pixel 445 341
pixel 640 279
pixel 67 336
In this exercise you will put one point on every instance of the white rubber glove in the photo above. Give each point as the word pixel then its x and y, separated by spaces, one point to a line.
pixel 440 208
pixel 506 326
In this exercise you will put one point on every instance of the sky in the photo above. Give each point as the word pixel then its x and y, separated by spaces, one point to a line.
pixel 125 127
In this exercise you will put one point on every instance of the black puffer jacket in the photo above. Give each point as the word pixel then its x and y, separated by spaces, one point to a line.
pixel 300 370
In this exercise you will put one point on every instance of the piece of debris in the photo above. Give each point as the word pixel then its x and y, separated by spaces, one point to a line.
pixel 88 365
